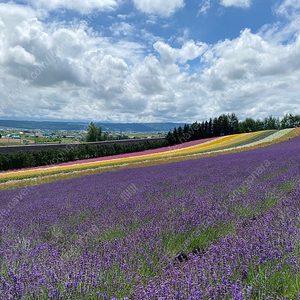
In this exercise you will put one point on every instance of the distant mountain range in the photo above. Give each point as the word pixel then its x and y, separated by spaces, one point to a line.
pixel 70 126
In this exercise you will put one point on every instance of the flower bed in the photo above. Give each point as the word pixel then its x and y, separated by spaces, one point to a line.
pixel 182 230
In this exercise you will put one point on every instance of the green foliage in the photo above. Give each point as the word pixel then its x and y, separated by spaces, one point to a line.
pixel 19 160
pixel 99 134
pixel 264 277
pixel 290 121
pixel 195 239
pixel 92 133
pixel 228 124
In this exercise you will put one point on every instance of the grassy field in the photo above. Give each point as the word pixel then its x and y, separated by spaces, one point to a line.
pixel 10 142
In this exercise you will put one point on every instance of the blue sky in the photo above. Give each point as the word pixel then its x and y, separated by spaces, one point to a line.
pixel 148 60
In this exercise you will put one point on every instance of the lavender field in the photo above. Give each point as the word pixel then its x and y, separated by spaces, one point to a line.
pixel 224 227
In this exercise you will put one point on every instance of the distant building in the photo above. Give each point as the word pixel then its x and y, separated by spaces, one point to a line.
pixel 38 133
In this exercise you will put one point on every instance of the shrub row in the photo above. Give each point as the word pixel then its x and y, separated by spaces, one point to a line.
pixel 20 160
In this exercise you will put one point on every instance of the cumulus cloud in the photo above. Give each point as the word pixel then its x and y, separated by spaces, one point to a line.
pixel 12 14
pixel 61 71
pixel 189 51
pixel 20 56
pixel 163 8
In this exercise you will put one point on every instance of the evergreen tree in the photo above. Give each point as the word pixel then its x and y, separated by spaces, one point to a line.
pixel 259 125
pixel 216 127
pixel 210 133
pixel 234 123
pixel 170 138
pixel 176 136
pixel 92 133
pixel 99 133
pixel 270 123
pixel 249 125
pixel 180 134
pixel 105 136
pixel 206 134
pixel 224 124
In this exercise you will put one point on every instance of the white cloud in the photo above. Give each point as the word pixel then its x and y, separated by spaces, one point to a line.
pixel 62 71
pixel 185 36
pixel 205 6
pixel 124 17
pixel 163 8
pixel 152 20
pixel 290 9
pixel 20 56
pixel 236 3
pixel 12 15
pixel 287 7
pixel 189 51
pixel 78 5
pixel 167 53
pixel 122 29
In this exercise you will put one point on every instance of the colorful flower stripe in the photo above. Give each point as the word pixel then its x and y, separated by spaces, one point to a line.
pixel 79 172
pixel 140 153
pixel 196 148
pixel 277 136
pixel 274 136
pixel 210 145
pixel 236 139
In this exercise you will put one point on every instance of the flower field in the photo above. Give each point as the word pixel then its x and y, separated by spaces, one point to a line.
pixel 211 146
pixel 222 227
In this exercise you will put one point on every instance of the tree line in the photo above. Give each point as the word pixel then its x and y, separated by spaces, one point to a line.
pixel 223 125
pixel 20 160
pixel 228 124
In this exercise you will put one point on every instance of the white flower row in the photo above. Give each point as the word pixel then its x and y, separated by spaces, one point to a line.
pixel 270 138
